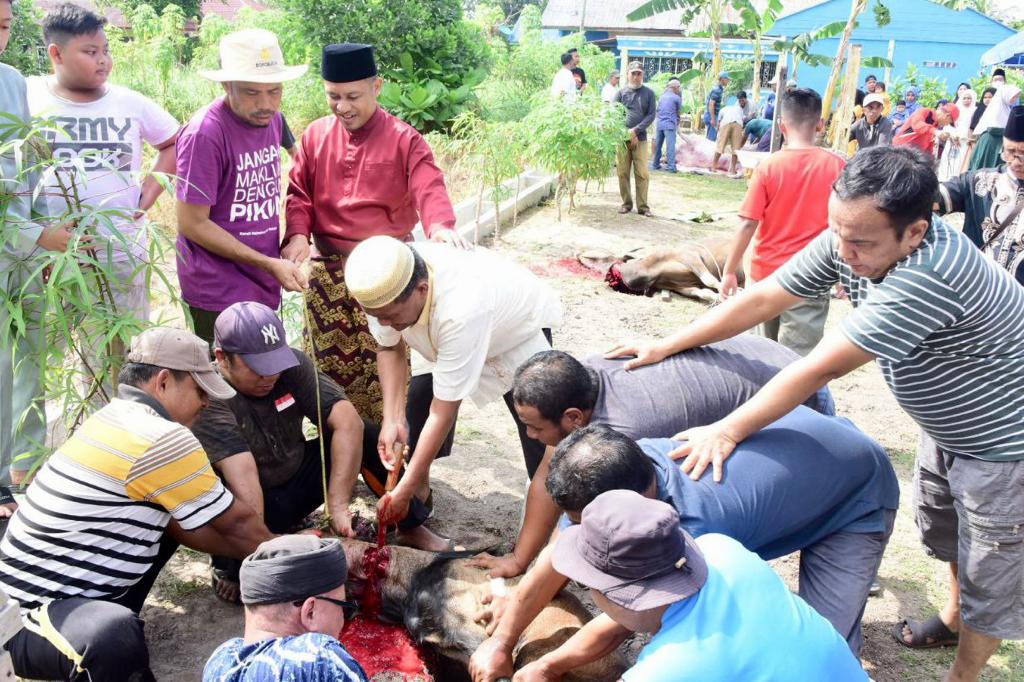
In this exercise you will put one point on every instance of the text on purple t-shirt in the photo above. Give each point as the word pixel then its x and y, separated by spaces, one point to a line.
pixel 235 169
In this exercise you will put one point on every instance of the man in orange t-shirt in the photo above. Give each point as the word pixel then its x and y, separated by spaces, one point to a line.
pixel 787 206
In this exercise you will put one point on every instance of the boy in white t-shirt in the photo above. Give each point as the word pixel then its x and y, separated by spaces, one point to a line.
pixel 103 126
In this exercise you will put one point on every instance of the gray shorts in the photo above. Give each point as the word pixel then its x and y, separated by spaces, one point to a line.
pixel 971 511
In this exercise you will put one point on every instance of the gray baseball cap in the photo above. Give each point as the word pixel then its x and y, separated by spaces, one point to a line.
pixel 256 333
pixel 632 550
pixel 180 350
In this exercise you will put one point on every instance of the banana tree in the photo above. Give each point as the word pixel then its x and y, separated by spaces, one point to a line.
pixel 755 25
pixel 713 11
pixel 856 7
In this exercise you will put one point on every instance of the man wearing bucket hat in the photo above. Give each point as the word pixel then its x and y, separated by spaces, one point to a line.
pixel 83 551
pixel 717 611
pixel 474 317
pixel 255 438
pixel 361 172
pixel 229 185
pixel 293 588
pixel 640 103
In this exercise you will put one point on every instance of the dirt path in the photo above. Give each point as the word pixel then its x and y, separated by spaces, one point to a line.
pixel 479 489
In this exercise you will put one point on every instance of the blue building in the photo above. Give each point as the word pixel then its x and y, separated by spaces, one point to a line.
pixel 939 41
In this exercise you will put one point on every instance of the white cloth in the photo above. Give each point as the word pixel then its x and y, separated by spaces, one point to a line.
pixel 608 93
pixel 485 319
pixel 731 114
pixel 998 110
pixel 105 134
pixel 564 84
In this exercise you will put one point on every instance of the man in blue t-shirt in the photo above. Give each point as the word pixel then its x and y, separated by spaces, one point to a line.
pixel 293 588
pixel 716 610
pixel 808 483
pixel 714 105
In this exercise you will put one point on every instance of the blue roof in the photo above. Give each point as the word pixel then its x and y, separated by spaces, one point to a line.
pixel 1009 52
pixel 911 21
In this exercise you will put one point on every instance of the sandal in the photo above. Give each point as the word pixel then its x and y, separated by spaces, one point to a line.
pixel 219 576
pixel 926 634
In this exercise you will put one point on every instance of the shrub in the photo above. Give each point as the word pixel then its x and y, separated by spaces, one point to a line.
pixel 442 47
pixel 932 89
pixel 26 51
pixel 577 140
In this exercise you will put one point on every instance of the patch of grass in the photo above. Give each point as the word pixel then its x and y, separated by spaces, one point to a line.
pixel 174 589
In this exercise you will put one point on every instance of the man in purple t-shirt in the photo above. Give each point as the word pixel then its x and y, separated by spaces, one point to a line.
pixel 669 105
pixel 229 185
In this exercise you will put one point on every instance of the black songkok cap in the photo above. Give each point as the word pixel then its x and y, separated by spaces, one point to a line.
pixel 292 567
pixel 347 62
pixel 1014 130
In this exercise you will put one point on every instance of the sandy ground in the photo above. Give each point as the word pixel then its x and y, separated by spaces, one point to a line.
pixel 479 489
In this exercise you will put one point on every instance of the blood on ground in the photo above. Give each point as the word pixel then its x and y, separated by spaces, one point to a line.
pixel 385 651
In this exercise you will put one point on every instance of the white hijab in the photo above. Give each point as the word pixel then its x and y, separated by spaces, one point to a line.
pixel 963 123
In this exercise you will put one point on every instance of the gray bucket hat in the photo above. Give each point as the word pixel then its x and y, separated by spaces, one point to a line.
pixel 632 550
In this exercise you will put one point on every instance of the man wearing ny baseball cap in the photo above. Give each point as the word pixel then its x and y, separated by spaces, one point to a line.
pixel 717 611
pixel 134 471
pixel 229 185
pixel 256 443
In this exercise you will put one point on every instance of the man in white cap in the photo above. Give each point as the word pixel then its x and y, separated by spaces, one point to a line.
pixel 874 128
pixel 108 509
pixel 716 610
pixel 475 317
pixel 229 185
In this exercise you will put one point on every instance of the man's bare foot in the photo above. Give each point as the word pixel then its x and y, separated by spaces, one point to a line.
pixel 423 538
pixel 224 587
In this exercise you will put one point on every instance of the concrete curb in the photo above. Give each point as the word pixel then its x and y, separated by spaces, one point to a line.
pixel 534 187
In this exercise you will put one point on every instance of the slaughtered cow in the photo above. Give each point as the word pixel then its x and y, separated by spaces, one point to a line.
pixel 437 596
pixel 695 153
pixel 692 268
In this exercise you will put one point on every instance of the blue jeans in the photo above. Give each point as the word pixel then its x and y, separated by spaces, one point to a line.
pixel 669 138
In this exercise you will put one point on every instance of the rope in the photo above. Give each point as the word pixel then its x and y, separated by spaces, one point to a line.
pixel 319 403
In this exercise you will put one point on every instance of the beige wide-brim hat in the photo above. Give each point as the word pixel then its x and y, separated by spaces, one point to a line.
pixel 252 56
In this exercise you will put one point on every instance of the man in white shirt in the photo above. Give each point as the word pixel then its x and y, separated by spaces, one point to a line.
pixel 564 84
pixel 730 134
pixel 103 127
pixel 610 88
pixel 474 317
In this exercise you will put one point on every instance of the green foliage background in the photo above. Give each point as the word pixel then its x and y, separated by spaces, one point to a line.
pixel 25 52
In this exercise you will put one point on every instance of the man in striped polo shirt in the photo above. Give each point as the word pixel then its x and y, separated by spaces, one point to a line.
pixel 946 326
pixel 83 550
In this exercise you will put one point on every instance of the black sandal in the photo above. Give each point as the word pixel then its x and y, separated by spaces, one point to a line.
pixel 925 634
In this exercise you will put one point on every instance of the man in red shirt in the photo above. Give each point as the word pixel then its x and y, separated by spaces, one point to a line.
pixel 787 206
pixel 359 172
pixel 923 125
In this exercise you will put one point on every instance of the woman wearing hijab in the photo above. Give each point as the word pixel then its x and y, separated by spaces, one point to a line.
pixel 952 159
pixel 986 97
pixel 990 126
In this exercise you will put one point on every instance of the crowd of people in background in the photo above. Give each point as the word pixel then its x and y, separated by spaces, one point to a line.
pixel 204 445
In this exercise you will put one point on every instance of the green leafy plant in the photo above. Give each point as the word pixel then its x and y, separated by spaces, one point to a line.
pixel 64 309
pixel 577 140
pixel 424 94
pixel 26 51
pixel 932 89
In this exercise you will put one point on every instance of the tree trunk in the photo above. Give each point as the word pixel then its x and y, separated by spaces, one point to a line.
pixel 856 8
pixel 756 85
pixel 839 132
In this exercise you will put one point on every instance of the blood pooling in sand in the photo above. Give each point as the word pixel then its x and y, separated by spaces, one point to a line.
pixel 382 648
pixel 562 267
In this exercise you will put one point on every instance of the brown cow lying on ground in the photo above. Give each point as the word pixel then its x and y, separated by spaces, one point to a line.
pixel 436 597
pixel 692 268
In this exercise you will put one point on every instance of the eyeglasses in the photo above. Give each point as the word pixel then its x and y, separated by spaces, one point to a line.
pixel 1014 155
pixel 349 608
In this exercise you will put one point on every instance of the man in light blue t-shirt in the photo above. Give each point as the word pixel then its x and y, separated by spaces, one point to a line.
pixel 717 611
